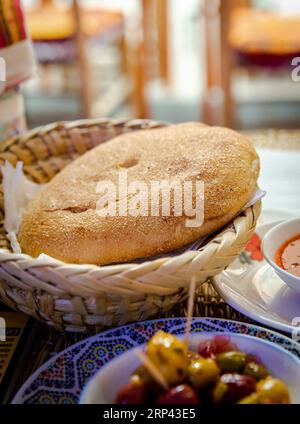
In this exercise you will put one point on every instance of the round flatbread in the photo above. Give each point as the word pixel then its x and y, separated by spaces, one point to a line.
pixel 64 221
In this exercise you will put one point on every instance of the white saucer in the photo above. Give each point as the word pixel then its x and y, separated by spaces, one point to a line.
pixel 251 287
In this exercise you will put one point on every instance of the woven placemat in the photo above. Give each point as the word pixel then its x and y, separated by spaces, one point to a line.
pixel 208 303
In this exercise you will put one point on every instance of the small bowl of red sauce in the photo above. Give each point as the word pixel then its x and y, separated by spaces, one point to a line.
pixel 281 249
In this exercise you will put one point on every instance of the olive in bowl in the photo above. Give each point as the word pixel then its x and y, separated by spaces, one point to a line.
pixel 215 369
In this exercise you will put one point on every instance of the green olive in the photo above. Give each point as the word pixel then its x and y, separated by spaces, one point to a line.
pixel 169 355
pixel 231 361
pixel 252 399
pixel 255 370
pixel 141 375
pixel 218 392
pixel 273 390
pixel 203 372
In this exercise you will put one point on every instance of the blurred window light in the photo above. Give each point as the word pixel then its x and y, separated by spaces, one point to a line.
pixel 2 70
pixel 289 7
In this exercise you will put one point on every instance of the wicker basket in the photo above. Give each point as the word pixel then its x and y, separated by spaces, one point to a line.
pixel 88 297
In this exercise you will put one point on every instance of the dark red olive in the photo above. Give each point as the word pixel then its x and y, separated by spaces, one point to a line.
pixel 180 395
pixel 207 350
pixel 224 344
pixel 253 358
pixel 132 394
pixel 219 344
pixel 238 387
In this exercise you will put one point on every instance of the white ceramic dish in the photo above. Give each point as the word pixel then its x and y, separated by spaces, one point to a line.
pixel 273 240
pixel 103 387
pixel 253 288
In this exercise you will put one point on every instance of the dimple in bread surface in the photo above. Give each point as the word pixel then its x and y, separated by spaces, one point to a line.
pixel 61 220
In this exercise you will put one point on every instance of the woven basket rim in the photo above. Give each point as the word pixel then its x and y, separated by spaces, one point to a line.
pixel 79 123
pixel 38 262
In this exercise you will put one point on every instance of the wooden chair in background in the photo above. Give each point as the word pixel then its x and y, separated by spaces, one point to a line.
pixel 150 59
pixel 238 35
pixel 144 55
pixel 66 32
pixel 218 105
pixel 146 60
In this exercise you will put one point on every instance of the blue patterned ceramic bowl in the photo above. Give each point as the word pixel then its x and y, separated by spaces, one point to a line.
pixel 62 379
pixel 104 386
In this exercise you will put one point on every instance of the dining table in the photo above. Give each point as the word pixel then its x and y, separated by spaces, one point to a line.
pixel 279 152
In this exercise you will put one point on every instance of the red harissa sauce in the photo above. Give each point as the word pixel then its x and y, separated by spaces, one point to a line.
pixel 288 256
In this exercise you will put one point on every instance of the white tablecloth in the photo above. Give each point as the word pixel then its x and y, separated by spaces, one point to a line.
pixel 280 177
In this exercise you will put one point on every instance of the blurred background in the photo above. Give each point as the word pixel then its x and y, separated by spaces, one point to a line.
pixel 225 62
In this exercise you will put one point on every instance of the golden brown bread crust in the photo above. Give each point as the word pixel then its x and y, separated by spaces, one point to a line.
pixel 61 221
